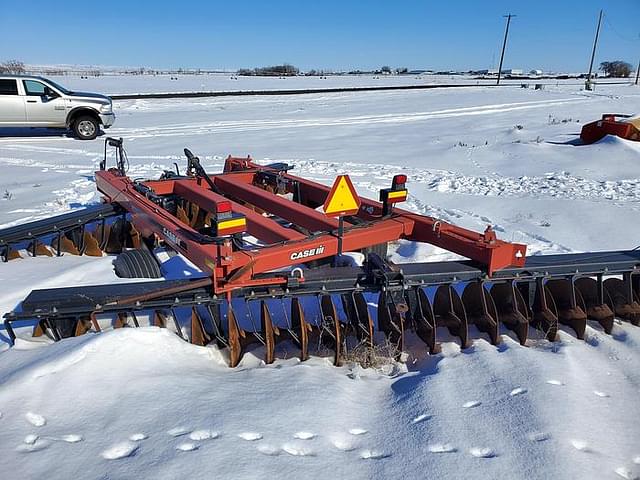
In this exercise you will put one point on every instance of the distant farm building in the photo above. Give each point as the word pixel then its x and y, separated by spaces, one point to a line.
pixel 512 71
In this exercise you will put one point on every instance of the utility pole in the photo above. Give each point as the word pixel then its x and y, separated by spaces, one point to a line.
pixel 587 84
pixel 504 45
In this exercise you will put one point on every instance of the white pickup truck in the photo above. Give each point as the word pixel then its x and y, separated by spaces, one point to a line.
pixel 29 101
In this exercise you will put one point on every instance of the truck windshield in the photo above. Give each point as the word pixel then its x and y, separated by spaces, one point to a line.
pixel 59 87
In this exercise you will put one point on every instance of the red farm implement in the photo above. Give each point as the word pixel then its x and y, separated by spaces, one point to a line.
pixel 273 270
pixel 623 126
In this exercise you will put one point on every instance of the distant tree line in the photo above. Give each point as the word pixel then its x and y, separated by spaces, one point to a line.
pixel 13 67
pixel 617 68
pixel 284 70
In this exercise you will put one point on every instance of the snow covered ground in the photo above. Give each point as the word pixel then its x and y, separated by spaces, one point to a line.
pixel 140 403
pixel 120 84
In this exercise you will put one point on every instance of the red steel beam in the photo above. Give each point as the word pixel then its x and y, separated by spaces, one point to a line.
pixel 262 228
pixel 354 238
pixel 301 215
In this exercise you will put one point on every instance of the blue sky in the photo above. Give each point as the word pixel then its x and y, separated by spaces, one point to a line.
pixel 440 34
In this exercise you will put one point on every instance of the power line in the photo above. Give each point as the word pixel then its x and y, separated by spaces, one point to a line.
pixel 617 32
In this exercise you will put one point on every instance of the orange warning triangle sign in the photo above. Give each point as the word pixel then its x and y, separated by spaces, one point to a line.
pixel 342 199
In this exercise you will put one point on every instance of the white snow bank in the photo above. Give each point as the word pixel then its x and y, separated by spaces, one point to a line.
pixel 104 389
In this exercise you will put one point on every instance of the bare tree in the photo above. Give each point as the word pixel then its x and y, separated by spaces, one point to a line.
pixel 274 70
pixel 12 66
pixel 617 68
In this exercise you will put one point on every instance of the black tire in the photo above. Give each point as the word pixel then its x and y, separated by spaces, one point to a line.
pixel 139 263
pixel 86 127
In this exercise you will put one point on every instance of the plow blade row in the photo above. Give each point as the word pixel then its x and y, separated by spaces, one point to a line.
pixel 91 231
pixel 339 314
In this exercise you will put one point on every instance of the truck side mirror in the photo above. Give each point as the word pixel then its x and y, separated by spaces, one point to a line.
pixel 48 92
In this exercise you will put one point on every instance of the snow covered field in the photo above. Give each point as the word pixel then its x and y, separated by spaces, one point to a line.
pixel 140 403
pixel 207 82
pixel 120 84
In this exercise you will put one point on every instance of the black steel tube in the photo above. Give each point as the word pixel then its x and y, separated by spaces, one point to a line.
pixel 9 328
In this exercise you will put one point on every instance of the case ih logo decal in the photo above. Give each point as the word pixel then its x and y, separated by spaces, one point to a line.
pixel 307 253
pixel 172 238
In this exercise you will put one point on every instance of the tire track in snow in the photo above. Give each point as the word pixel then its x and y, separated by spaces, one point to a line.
pixel 236 126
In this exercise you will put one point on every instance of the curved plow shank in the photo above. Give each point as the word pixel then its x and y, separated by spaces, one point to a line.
pixel 9 254
pixel 109 242
pixel 592 293
pixel 87 323
pixel 121 320
pixel 66 327
pixel 36 248
pixel 512 309
pixel 420 315
pixel 449 312
pixel 119 235
pixel 45 327
pixel 331 329
pixel 90 245
pixel 481 310
pixel 199 335
pixel 63 244
pixel 159 319
pixel 241 335
pixel 622 299
pixel 269 331
pixel 391 317
pixel 357 312
pixel 58 329
pixel 234 335
pixel 569 304
pixel 545 313
pixel 83 325
pixel 301 328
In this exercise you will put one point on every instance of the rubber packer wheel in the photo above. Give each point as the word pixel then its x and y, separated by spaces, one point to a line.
pixel 138 263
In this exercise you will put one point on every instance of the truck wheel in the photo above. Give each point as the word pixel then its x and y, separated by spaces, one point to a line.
pixel 140 263
pixel 86 127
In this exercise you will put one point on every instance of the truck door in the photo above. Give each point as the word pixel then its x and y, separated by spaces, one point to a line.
pixel 44 106
pixel 12 111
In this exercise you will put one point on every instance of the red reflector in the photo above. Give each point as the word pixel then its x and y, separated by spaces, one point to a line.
pixel 399 179
pixel 223 207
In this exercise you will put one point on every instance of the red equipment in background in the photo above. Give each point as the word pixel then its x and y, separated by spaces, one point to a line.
pixel 624 126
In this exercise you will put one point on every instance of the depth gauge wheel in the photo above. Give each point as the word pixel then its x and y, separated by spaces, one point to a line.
pixel 140 263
